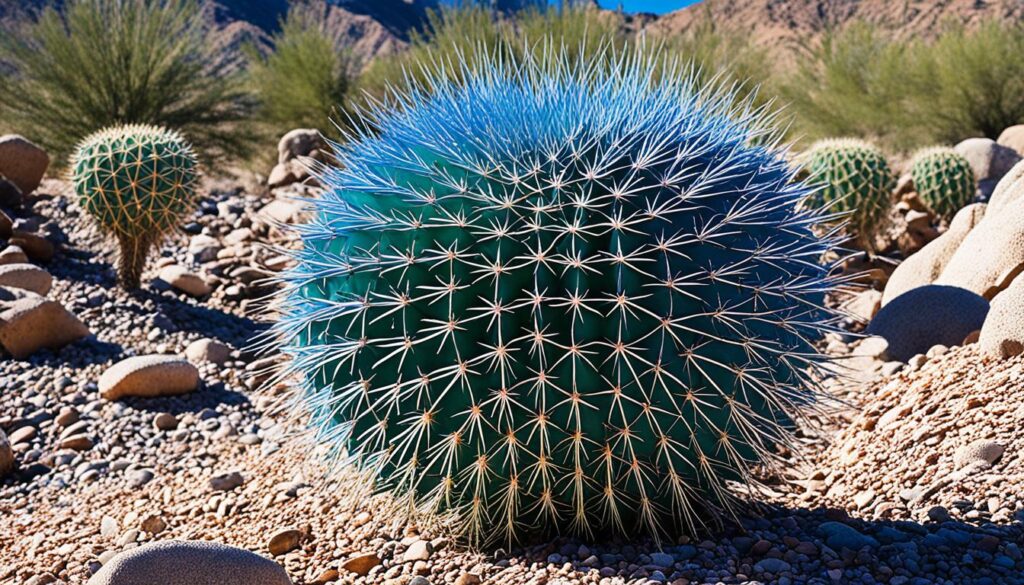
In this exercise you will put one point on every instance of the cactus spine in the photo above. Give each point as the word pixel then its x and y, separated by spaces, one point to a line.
pixel 855 183
pixel 558 298
pixel 138 183
pixel 944 180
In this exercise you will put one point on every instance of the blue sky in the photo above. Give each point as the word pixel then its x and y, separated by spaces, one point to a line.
pixel 655 6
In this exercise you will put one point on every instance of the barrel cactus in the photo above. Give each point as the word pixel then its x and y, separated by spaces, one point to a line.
pixel 138 182
pixel 855 184
pixel 569 298
pixel 944 180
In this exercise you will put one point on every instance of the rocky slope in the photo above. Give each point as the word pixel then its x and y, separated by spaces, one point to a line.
pixel 784 25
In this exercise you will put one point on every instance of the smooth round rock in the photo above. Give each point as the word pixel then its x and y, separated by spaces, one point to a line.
pixel 189 563
pixel 149 376
pixel 1002 335
pixel 927 316
pixel 22 162
pixel 32 323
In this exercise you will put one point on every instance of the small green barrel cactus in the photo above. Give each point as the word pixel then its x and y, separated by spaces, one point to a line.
pixel 944 179
pixel 138 182
pixel 571 298
pixel 855 183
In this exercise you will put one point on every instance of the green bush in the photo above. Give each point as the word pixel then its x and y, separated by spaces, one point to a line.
pixel 863 81
pixel 304 81
pixel 106 62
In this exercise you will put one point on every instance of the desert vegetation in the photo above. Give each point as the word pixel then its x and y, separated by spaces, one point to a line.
pixel 543 295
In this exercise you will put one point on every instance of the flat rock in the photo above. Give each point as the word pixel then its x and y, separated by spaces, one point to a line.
pixel 26 276
pixel 361 564
pixel 149 376
pixel 927 316
pixel 22 162
pixel 186 281
pixel 189 563
pixel 285 541
pixel 32 323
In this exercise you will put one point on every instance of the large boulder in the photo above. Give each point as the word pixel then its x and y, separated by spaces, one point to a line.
pixel 989 160
pixel 926 316
pixel 925 266
pixel 1002 335
pixel 27 277
pixel 22 162
pixel 28 323
pixel 1013 137
pixel 189 563
pixel 990 256
pixel 149 376
pixel 1009 191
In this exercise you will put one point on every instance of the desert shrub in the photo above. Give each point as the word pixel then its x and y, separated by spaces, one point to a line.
pixel 99 63
pixel 968 82
pixel 305 79
pixel 558 296
pixel 864 81
pixel 853 83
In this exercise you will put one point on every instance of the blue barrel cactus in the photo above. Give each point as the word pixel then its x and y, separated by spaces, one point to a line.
pixel 572 297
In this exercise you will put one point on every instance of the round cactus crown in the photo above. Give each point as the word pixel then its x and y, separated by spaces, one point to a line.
pixel 136 180
pixel 943 178
pixel 577 297
pixel 855 183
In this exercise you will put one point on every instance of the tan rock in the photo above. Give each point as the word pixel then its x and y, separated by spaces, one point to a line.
pixel 981 450
pixel 1002 335
pixel 988 159
pixel 189 563
pixel 990 256
pixel 35 246
pixel 1013 137
pixel 864 305
pixel 27 277
pixel 300 142
pixel 208 350
pixel 1009 190
pixel 284 541
pixel 927 264
pixel 31 323
pixel 185 280
pixel 148 376
pixel 22 162
pixel 13 255
pixel 361 564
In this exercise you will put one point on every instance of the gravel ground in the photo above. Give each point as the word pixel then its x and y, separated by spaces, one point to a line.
pixel 224 464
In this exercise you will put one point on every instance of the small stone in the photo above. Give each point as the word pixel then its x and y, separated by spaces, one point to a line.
pixel 67 417
pixel 153 524
pixel 148 376
pixel 361 564
pixel 418 551
pixel 226 481
pixel 109 528
pixel 284 541
pixel 328 576
pixel 140 477
pixel 468 579
pixel 981 451
pixel 80 442
pixel 185 280
pixel 662 559
pixel 773 566
pixel 208 350
pixel 938 514
pixel 165 421
pixel 419 580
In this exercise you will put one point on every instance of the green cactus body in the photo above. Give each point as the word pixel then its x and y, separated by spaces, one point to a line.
pixel 138 183
pixel 855 182
pixel 944 180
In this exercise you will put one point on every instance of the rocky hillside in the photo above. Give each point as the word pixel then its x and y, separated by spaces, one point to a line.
pixel 784 24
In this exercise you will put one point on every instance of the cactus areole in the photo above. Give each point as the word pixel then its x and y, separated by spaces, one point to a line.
pixel 568 298
pixel 138 183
